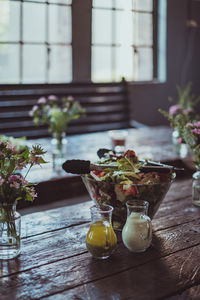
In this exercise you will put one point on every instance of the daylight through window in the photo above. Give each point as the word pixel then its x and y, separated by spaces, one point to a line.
pixel 122 40
pixel 35 41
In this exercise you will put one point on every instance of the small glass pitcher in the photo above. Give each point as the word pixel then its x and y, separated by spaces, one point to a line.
pixel 101 239
pixel 137 231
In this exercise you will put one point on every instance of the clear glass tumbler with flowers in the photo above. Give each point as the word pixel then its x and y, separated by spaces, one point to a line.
pixel 56 113
pixel 191 135
pixel 179 115
pixel 14 187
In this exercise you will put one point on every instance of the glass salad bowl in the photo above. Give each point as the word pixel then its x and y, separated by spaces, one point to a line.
pixel 117 194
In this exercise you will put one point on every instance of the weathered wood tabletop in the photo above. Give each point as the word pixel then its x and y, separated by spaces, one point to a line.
pixel 54 262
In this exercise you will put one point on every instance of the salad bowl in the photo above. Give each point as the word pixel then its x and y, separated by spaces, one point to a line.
pixel 116 188
pixel 116 195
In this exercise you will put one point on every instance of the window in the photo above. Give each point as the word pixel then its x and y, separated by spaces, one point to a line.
pixel 35 41
pixel 122 40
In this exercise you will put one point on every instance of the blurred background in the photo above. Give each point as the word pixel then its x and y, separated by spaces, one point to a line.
pixel 153 44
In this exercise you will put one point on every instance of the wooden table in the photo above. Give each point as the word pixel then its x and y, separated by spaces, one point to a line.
pixel 54 263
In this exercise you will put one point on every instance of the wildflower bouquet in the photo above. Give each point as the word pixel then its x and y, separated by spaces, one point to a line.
pixel 13 186
pixel 56 113
pixel 191 135
pixel 183 111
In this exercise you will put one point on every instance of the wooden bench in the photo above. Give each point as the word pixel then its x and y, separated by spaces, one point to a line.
pixel 106 107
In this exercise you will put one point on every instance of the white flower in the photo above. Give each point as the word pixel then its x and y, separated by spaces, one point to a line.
pixel 42 100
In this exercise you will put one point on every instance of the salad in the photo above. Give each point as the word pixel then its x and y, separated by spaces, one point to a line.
pixel 121 179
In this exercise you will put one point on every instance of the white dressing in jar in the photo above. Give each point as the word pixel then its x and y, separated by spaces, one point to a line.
pixel 137 232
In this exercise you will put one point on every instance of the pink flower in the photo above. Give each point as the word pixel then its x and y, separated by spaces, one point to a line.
pixel 1 180
pixel 53 98
pixel 188 110
pixel 1 153
pixel 174 109
pixel 32 192
pixel 197 131
pixel 35 160
pixel 197 124
pixel 189 124
pixel 21 165
pixel 42 100
pixel 15 184
pixel 70 98
pixel 11 147
pixel 14 178
pixel 179 141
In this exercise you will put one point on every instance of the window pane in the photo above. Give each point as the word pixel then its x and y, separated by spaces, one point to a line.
pixel 144 26
pixel 102 26
pixel 68 2
pixel 9 21
pixel 34 63
pixel 124 63
pixel 9 64
pixel 125 4
pixel 59 24
pixel 60 64
pixel 124 27
pixel 101 64
pixel 102 3
pixel 36 0
pixel 145 64
pixel 146 5
pixel 34 22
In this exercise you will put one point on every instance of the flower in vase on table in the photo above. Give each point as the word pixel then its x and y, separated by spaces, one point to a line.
pixel 14 187
pixel 181 113
pixel 56 113
pixel 191 135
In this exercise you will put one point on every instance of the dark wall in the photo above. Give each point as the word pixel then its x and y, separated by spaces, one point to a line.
pixel 183 64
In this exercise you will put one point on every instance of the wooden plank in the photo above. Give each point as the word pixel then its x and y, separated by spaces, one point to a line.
pixel 155 280
pixel 173 266
pixel 50 229
pixel 192 293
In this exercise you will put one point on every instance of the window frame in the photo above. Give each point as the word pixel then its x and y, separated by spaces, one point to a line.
pixel 81 61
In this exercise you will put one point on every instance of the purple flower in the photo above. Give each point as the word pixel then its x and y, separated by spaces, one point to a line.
pixel 179 141
pixel 197 131
pixel 53 98
pixel 174 109
pixel 42 100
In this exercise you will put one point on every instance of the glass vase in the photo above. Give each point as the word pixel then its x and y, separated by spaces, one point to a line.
pixel 101 239
pixel 10 231
pixel 182 149
pixel 59 150
pixel 137 232
pixel 196 187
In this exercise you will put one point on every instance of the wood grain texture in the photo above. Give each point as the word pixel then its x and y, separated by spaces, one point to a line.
pixel 55 264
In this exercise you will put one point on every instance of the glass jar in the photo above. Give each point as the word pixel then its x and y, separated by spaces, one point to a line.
pixel 10 231
pixel 101 239
pixel 59 150
pixel 182 149
pixel 118 140
pixel 137 231
pixel 196 187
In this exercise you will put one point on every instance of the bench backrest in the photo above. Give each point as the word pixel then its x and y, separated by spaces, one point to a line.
pixel 106 107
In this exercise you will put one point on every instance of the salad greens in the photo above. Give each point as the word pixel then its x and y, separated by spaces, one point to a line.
pixel 125 182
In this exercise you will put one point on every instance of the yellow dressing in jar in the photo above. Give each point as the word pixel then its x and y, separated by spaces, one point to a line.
pixel 101 239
